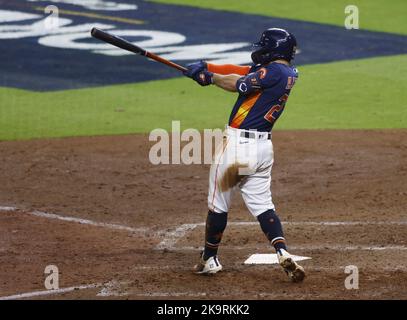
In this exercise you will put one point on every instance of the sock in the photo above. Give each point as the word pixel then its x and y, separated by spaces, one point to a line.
pixel 271 225
pixel 215 225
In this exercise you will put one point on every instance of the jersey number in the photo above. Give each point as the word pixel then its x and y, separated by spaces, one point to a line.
pixel 275 110
pixel 290 82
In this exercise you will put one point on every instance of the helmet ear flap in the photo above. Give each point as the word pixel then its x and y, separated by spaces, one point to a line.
pixel 256 57
pixel 261 56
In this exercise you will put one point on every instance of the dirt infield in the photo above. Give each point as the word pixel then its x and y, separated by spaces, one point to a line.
pixel 134 229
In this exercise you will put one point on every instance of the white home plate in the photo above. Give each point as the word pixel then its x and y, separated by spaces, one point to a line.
pixel 269 258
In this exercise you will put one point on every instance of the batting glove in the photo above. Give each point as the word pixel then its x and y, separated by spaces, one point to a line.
pixel 204 78
pixel 195 68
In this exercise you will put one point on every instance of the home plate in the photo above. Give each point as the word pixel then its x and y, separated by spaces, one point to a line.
pixel 269 258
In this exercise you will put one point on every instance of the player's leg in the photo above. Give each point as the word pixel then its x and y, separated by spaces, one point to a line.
pixel 256 193
pixel 216 221
pixel 271 226
pixel 209 261
pixel 215 226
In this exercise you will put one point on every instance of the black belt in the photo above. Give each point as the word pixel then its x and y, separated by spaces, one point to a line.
pixel 254 135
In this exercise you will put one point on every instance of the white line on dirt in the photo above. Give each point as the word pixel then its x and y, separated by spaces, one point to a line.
pixel 342 223
pixel 8 209
pixel 241 266
pixel 115 288
pixel 112 288
pixel 77 220
pixel 172 237
pixel 303 248
pixel 155 267
pixel 316 223
pixel 48 292
pixel 5 208
pixel 88 222
pixel 169 294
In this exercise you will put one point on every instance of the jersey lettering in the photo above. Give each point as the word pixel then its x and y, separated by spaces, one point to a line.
pixel 290 82
pixel 276 110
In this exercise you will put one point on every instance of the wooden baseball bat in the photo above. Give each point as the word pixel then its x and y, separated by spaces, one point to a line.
pixel 126 45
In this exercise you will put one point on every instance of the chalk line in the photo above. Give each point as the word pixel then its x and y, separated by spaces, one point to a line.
pixel 315 223
pixel 48 292
pixel 112 288
pixel 169 294
pixel 302 248
pixel 76 220
pixel 8 208
pixel 241 266
pixel 171 237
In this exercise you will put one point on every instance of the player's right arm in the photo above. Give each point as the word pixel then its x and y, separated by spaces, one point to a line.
pixel 247 84
pixel 226 76
pixel 236 82
pixel 227 82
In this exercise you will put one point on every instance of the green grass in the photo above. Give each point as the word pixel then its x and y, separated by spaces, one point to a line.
pixel 360 94
pixel 378 15
pixel 364 94
pixel 367 93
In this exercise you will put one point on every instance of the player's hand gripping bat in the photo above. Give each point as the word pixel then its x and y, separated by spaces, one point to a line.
pixel 126 45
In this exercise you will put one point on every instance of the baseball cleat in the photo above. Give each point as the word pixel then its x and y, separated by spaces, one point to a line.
pixel 294 271
pixel 210 266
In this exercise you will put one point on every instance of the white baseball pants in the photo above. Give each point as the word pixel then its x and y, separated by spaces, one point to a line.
pixel 244 160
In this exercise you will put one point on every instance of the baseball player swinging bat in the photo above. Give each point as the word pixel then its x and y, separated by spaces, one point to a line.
pixel 126 45
pixel 263 89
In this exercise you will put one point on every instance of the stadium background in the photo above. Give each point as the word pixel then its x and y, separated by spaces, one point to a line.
pixel 341 158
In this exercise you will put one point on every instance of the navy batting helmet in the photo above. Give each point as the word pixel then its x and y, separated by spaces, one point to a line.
pixel 274 44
